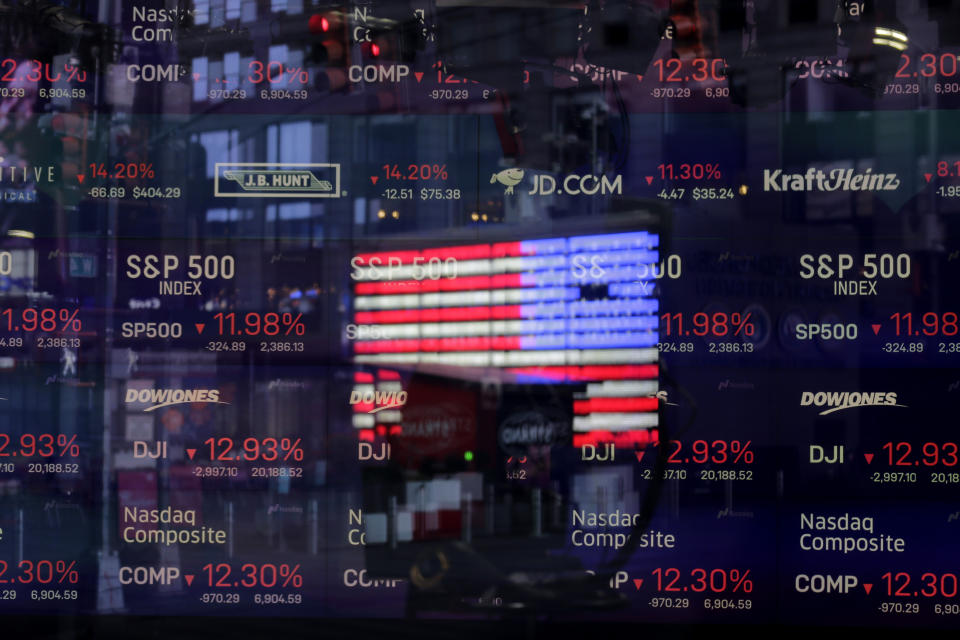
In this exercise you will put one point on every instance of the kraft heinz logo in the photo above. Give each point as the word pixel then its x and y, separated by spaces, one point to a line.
pixel 833 180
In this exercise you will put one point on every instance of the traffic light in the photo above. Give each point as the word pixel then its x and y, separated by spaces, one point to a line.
pixel 69 132
pixel 372 50
pixel 493 44
pixel 686 30
pixel 623 35
pixel 394 33
pixel 947 15
pixel 876 38
pixel 330 49
pixel 762 42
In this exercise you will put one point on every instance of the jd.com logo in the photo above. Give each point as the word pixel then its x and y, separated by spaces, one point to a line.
pixel 573 184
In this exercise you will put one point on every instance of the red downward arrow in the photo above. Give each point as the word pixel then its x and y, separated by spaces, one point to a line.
pixel 419 75
pixel 639 455
pixel 188 578
pixel 869 457
pixel 876 329
pixel 374 179
pixel 191 453
pixel 649 179
pixel 867 586
pixel 638 582
pixel 199 327
pixel 928 176
pixel 80 178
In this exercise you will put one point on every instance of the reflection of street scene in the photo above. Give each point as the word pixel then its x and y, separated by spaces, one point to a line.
pixel 380 313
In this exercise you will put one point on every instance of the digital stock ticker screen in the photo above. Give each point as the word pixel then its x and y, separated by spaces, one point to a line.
pixel 479 318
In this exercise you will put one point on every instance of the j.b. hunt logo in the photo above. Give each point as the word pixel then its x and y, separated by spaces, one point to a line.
pixel 838 400
pixel 573 184
pixel 277 180
pixel 834 180
pixel 378 400
pixel 165 397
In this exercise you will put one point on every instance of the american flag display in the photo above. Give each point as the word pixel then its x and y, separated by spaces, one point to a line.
pixel 577 309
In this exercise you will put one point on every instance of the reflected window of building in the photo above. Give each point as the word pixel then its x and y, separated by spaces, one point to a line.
pixel 223 215
pixel 201 11
pixel 233 9
pixel 231 70
pixel 213 141
pixel 201 70
pixel 289 142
